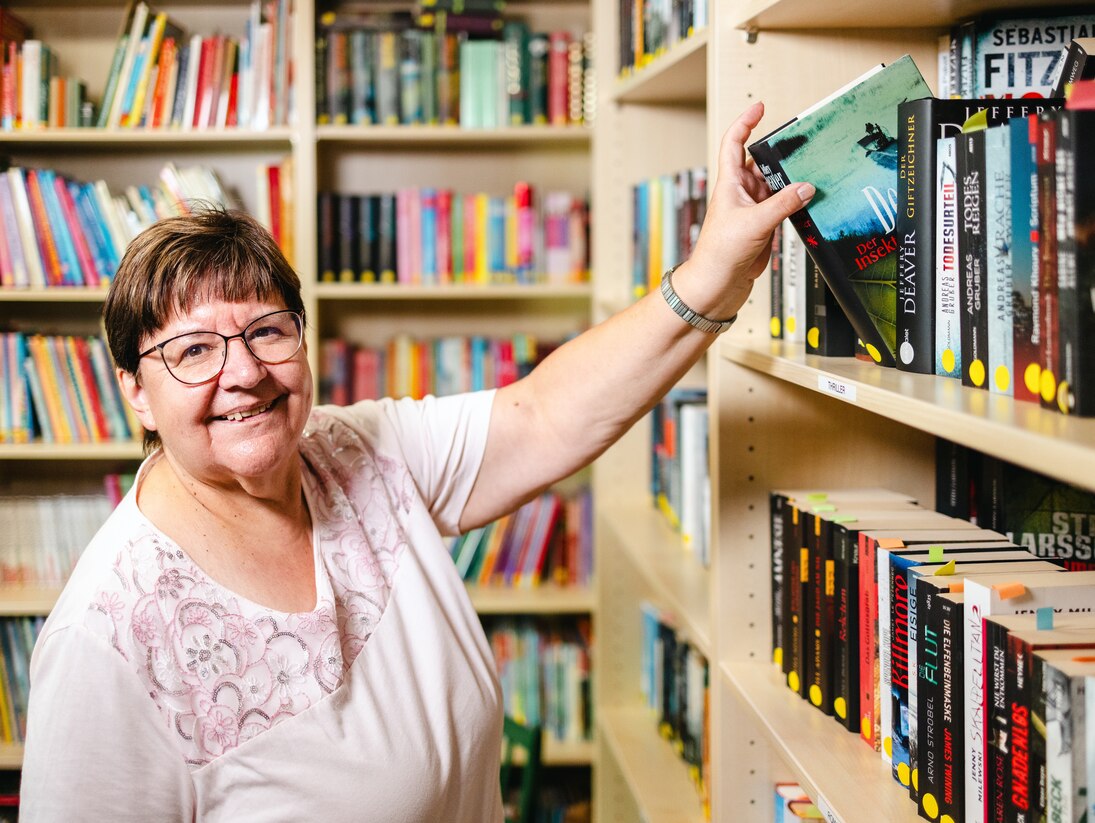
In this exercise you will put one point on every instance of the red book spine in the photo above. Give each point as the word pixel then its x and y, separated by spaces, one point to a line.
pixel 83 363
pixel 868 641
pixel 90 275
pixel 273 183
pixel 444 236
pixel 558 88
pixel 1048 349
pixel 204 102
pixel 51 259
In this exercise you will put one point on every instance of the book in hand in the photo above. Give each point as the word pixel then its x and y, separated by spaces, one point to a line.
pixel 846 145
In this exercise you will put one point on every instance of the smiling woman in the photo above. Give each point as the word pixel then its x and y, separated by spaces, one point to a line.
pixel 233 641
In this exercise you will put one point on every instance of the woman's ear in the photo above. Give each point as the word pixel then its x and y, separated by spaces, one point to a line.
pixel 137 398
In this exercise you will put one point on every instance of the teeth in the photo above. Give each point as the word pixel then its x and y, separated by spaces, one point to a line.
pixel 238 416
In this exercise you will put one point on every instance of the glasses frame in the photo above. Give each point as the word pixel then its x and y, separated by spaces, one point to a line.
pixel 226 338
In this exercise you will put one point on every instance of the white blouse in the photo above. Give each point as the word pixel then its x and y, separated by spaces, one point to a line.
pixel 158 694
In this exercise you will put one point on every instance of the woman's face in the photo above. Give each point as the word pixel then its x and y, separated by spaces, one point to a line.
pixel 200 425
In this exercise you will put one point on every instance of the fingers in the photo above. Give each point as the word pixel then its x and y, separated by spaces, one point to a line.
pixel 782 205
pixel 732 148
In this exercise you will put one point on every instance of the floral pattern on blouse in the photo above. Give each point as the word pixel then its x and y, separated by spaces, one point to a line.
pixel 222 669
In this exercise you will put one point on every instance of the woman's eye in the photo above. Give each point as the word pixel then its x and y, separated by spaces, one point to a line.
pixel 195 350
pixel 266 332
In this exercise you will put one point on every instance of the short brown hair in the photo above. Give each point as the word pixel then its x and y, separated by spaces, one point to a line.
pixel 178 262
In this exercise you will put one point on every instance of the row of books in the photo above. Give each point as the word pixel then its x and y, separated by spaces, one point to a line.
pixel 668 211
pixel 410 367
pixel 979 272
pixel 58 231
pixel 17 638
pixel 674 681
pixel 880 608
pixel 378 72
pixel 1009 54
pixel 161 77
pixel 61 389
pixel 45 535
pixel 547 540
pixel 544 669
pixel 435 236
pixel 649 27
pixel 679 472
pixel 33 91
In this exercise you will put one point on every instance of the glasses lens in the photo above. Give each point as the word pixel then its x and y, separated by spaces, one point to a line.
pixel 194 358
pixel 275 337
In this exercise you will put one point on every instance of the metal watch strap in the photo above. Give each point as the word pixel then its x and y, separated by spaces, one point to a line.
pixel 689 316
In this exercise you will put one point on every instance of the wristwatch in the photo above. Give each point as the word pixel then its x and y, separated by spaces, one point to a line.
pixel 689 316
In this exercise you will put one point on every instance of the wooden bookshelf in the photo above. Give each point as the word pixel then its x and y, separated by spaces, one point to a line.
pixel 127 450
pixel 804 14
pixel 656 775
pixel 486 139
pixel 67 294
pixel 275 136
pixel 453 292
pixel 24 601
pixel 541 600
pixel 674 76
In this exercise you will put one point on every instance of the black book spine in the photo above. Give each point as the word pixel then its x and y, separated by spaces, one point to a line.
pixel 776 505
pixel 953 731
pixel 928 702
pixel 386 246
pixel 775 284
pixel 366 237
pixel 972 259
pixel 828 332
pixel 328 251
pixel 347 238
pixel 997 722
pixel 1084 198
pixel 846 628
pixel 915 232
pixel 812 608
pixel 1047 261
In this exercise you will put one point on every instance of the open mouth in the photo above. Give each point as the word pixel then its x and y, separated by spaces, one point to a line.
pixel 238 416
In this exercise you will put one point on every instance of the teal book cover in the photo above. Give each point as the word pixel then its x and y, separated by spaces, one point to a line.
pixel 846 145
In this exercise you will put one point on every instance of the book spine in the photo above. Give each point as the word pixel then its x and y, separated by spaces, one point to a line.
pixel 1082 206
pixel 915 231
pixel 778 551
pixel 1019 777
pixel 901 606
pixel 1048 339
pixel 1068 306
pixel 998 275
pixel 948 337
pixel 954 755
pixel 819 606
pixel 929 700
pixel 972 250
pixel 793 614
pixel 828 331
pixel 997 722
pixel 328 251
pixel 1024 260
pixel 56 273
pixel 846 635
pixel 366 238
pixel 868 645
pixel 347 240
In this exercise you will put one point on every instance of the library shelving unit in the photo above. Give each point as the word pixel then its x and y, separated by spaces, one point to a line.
pixel 779 418
pixel 353 159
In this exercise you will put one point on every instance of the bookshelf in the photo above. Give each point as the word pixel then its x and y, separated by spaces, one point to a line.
pixel 355 159
pixel 778 418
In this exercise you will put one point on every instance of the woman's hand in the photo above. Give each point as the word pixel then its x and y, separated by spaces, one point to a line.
pixel 735 242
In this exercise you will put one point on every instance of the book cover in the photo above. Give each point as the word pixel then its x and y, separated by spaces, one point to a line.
pixel 1064 679
pixel 1048 517
pixel 1018 56
pixel 849 226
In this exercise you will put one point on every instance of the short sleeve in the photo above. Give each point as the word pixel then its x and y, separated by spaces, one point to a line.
pixel 443 440
pixel 96 747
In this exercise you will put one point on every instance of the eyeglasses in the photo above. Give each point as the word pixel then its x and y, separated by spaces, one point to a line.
pixel 198 356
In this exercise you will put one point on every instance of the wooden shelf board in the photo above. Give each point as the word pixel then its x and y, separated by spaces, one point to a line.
pixel 128 450
pixel 16 601
pixel 279 136
pixel 809 14
pixel 556 753
pixel 655 774
pixel 66 294
pixel 544 599
pixel 676 76
pixel 434 136
pixel 11 756
pixel 1016 431
pixel 680 582
pixel 377 291
pixel 831 763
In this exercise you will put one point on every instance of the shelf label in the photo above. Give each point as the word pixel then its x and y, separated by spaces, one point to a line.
pixel 837 388
pixel 826 810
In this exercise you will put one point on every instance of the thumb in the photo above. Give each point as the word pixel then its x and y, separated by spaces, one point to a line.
pixel 773 210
